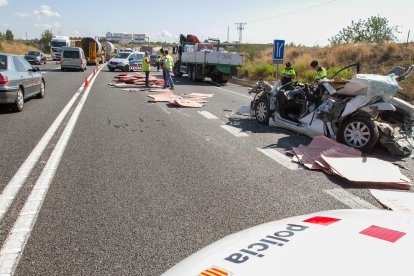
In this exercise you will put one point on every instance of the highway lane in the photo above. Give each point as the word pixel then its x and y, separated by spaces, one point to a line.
pixel 21 131
pixel 142 185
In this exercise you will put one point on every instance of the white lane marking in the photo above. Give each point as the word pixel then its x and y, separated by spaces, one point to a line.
pixel 208 115
pixel 280 158
pixel 235 131
pixel 349 199
pixel 19 234
pixel 164 109
pixel 234 92
pixel 13 187
pixel 182 113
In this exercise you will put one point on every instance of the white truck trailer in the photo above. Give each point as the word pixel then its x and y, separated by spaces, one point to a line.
pixel 200 60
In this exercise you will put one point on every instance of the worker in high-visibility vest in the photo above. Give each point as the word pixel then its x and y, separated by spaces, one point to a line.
pixel 288 73
pixel 146 67
pixel 162 55
pixel 158 63
pixel 168 66
pixel 320 71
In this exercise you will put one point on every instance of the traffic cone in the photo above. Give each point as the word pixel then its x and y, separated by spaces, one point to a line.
pixel 86 84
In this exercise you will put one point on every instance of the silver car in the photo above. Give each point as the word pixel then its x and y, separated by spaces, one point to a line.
pixel 19 81
pixel 36 57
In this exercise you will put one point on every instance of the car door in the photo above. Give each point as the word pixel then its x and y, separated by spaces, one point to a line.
pixel 23 77
pixel 131 60
pixel 35 77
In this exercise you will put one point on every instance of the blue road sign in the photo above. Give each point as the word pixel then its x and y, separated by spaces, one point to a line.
pixel 278 51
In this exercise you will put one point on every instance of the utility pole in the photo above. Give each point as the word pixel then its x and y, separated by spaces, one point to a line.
pixel 228 34
pixel 240 28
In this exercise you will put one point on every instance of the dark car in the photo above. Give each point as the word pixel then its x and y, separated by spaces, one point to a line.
pixel 36 57
pixel 19 81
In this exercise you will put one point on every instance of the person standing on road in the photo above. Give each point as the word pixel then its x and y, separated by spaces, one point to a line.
pixel 146 67
pixel 320 71
pixel 168 65
pixel 288 73
pixel 162 65
pixel 158 63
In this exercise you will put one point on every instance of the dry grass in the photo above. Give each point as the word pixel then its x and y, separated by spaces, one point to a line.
pixel 16 48
pixel 373 60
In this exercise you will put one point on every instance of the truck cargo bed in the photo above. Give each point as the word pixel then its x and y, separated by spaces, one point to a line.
pixel 204 57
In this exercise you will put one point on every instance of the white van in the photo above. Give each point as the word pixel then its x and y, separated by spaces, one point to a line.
pixel 73 58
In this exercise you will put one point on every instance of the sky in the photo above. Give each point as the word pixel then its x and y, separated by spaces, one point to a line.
pixel 307 22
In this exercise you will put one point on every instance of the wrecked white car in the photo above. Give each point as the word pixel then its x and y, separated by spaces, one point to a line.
pixel 360 112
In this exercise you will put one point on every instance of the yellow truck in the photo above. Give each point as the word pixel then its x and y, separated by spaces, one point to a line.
pixel 94 52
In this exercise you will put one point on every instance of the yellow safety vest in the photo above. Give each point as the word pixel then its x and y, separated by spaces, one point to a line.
pixel 145 65
pixel 169 62
pixel 320 74
pixel 290 71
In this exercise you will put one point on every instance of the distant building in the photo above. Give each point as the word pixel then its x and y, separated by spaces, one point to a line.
pixel 124 38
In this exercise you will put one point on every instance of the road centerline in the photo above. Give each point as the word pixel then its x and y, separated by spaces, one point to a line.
pixel 11 190
pixel 16 241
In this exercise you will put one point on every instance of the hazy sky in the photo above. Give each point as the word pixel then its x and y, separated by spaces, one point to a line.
pixel 309 22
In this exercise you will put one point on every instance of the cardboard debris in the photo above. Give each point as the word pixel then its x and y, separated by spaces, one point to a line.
pixel 195 100
pixel 186 103
pixel 338 159
pixel 138 79
pixel 132 89
pixel 397 201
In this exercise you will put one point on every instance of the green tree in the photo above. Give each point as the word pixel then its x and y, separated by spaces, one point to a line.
pixel 9 35
pixel 45 39
pixel 375 30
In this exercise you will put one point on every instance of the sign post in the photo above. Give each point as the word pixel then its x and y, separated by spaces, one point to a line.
pixel 278 53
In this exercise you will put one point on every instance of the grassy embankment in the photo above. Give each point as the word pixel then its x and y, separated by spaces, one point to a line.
pixel 16 47
pixel 373 59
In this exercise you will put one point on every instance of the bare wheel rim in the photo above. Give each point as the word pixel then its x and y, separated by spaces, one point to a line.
pixel 357 134
pixel 261 111
pixel 20 100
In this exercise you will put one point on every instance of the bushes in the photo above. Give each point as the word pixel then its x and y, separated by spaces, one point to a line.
pixel 373 59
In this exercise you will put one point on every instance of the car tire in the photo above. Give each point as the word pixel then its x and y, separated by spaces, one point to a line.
pixel 262 111
pixel 358 132
pixel 42 91
pixel 126 68
pixel 62 69
pixel 19 102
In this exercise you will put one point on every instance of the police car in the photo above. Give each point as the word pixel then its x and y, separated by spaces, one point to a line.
pixel 126 61
pixel 341 242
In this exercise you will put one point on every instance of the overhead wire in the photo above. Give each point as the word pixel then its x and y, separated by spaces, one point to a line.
pixel 294 11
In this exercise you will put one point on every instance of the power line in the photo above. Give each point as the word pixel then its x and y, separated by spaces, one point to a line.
pixel 294 11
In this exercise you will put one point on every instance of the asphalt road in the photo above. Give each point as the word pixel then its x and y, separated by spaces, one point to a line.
pixel 141 185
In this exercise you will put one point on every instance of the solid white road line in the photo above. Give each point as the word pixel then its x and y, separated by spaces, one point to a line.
pixel 12 188
pixel 235 131
pixel 349 199
pixel 19 234
pixel 280 158
pixel 234 92
pixel 208 115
